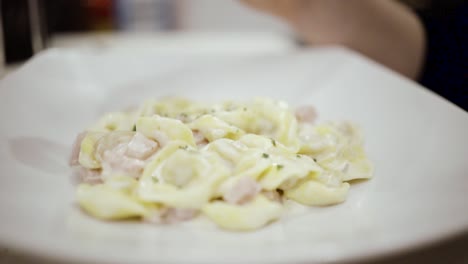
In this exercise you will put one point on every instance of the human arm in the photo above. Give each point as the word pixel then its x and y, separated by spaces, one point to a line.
pixel 386 31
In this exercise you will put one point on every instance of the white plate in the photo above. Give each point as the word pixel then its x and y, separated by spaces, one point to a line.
pixel 416 140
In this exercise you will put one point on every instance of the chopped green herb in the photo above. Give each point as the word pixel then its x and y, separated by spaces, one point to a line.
pixel 273 142
pixel 265 155
pixel 134 128
pixel 111 127
pixel 279 166
pixel 155 180
pixel 183 147
pixel 299 155
pixel 315 159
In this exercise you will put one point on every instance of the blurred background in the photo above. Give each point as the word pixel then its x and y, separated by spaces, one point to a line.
pixel 30 26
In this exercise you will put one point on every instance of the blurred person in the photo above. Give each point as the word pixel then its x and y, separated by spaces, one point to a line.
pixel 422 40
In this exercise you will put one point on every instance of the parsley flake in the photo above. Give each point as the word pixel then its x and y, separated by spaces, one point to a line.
pixel 265 155
pixel 273 142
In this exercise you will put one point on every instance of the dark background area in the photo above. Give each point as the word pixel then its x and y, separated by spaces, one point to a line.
pixel 446 23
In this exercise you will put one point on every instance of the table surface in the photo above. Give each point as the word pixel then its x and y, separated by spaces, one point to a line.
pixel 453 250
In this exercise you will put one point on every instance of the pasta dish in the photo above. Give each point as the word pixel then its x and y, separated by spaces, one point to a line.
pixel 235 163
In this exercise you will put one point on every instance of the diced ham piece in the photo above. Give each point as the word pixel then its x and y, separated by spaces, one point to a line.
pixel 76 149
pixel 171 216
pixel 116 159
pixel 125 152
pixel 88 176
pixel 112 141
pixel 306 114
pixel 175 215
pixel 141 147
pixel 243 191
